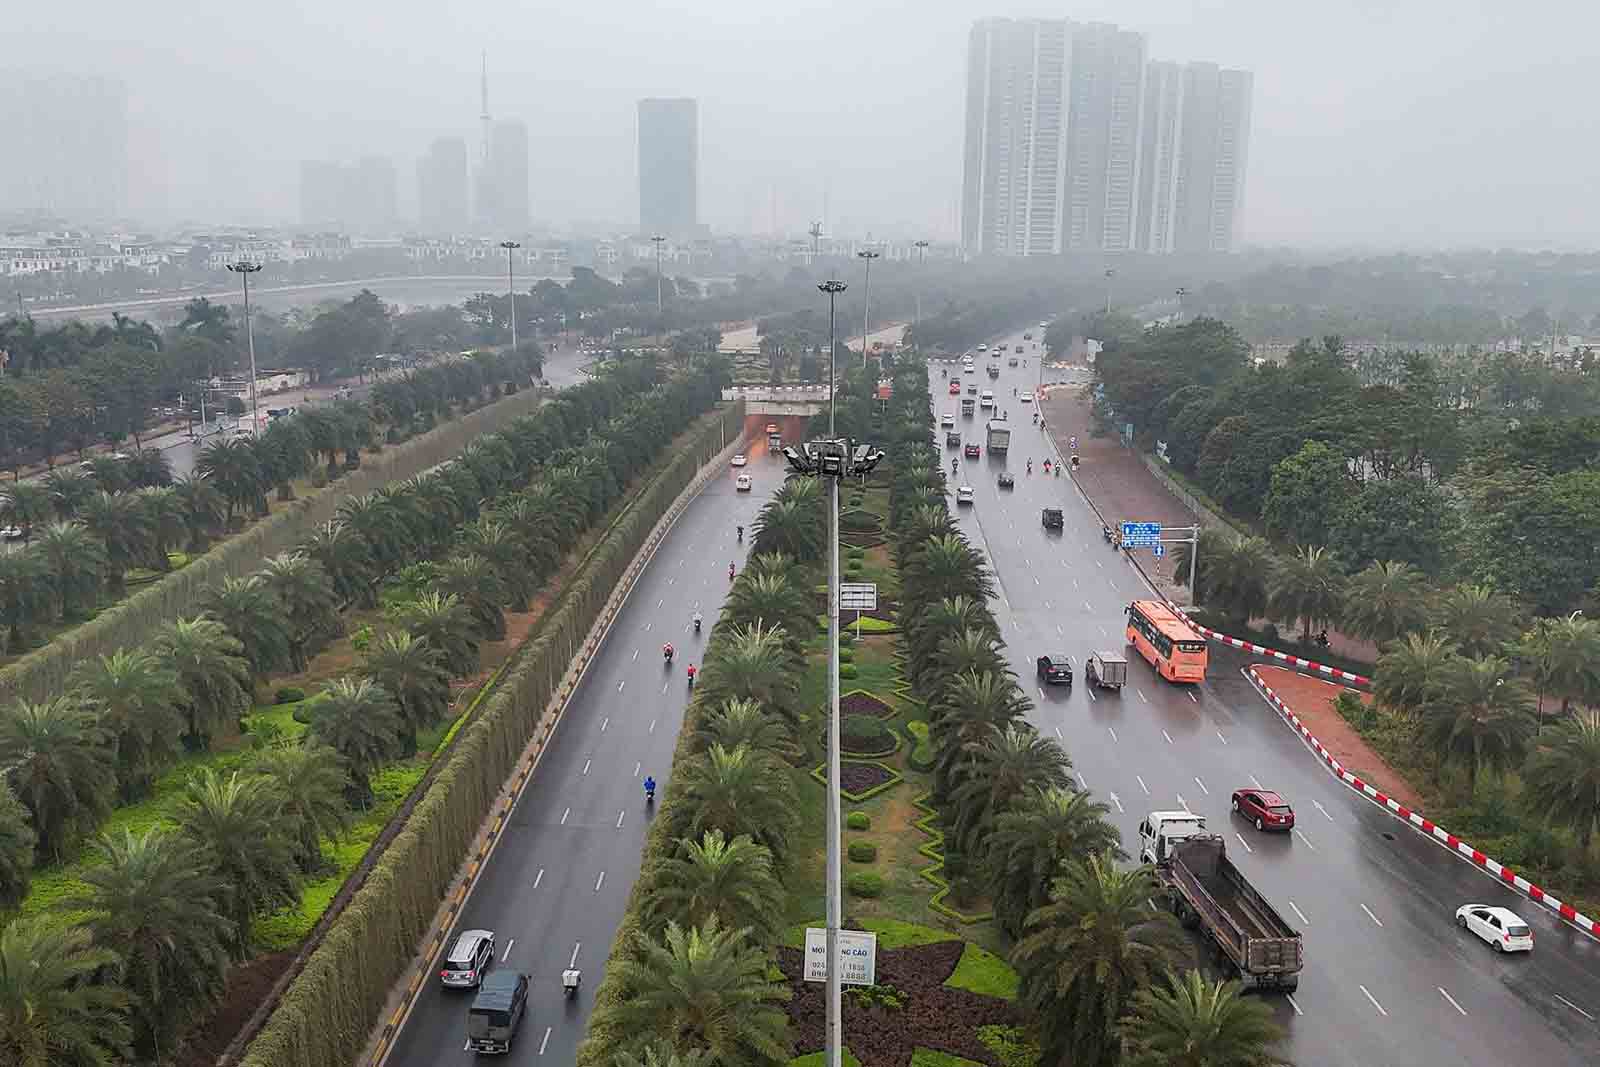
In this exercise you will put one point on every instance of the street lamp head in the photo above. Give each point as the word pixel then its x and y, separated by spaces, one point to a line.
pixel 867 253
pixel 657 238
pixel 833 285
pixel 244 266
pixel 509 245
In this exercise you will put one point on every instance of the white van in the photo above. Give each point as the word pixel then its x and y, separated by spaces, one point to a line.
pixel 986 400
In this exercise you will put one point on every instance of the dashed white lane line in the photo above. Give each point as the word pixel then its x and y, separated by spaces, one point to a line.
pixel 1256 782
pixel 660 602
pixel 1202 785
pixel 1117 802
pixel 636 653
pixel 620 814
pixel 507 954
pixel 600 881
pixel 1304 838
pixel 1322 809
pixel 1245 843
pixel 1087 606
pixel 652 726
pixel 1224 740
pixel 1059 737
pixel 1097 563
pixel 604 723
pixel 1141 695
pixel 1167 736
pixel 1182 803
pixel 1142 785
pixel 1092 698
pixel 636 767
pixel 546 1040
pixel 1374 1000
pixel 664 686
pixel 1303 920
pixel 538 878
pixel 1113 734
pixel 573 961
pixel 1371 916
pixel 1075 583
pixel 1190 694
pixel 1035 579
pixel 1041 693
pixel 1574 1007
pixel 621 684
pixel 1290 998
pixel 564 816
pixel 1451 999
pixel 586 765
pixel 1082 783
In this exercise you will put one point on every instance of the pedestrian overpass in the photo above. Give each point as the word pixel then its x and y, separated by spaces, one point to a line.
pixel 779 401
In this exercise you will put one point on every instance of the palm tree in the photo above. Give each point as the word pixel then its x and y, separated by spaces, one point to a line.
pixel 68 490
pixel 166 524
pixel 412 670
pixel 308 783
pixel 52 1011
pixel 1190 1022
pixel 17 842
pixel 358 719
pixel 771 600
pixel 254 615
pixel 756 663
pixel 1478 619
pixel 234 821
pixel 75 560
pixel 152 900
pixel 541 552
pixel 998 771
pixel 149 468
pixel 732 880
pixel 503 550
pixel 213 672
pixel 1482 718
pixel 204 510
pixel 137 696
pixel 348 562
pixel 110 475
pixel 470 578
pixel 123 527
pixel 25 596
pixel 945 567
pixel 701 987
pixel 1033 839
pixel 660 1053
pixel 381 524
pixel 1386 601
pixel 927 630
pixel 1086 954
pixel 443 622
pixel 306 593
pixel 1565 656
pixel 1562 778
pixel 738 791
pixel 60 764
pixel 961 717
pixel 1307 586
pixel 26 505
pixel 970 651
pixel 795 529
pixel 232 467
pixel 1208 568
pixel 738 722
pixel 1412 673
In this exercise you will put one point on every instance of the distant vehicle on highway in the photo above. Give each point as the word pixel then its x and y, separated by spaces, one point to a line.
pixel 740 459
pixel 1174 648
pixel 1501 927
pixel 741 484
pixel 986 399
pixel 497 1012
pixel 1266 809
pixel 1007 480
pixel 1108 670
pixel 971 451
pixel 1052 519
pixel 1027 337
pixel 470 957
pixel 1044 326
pixel 999 435
pixel 952 439
pixel 947 420
pixel 772 428
pixel 955 387
pixel 983 348
pixel 964 495
pixel 1026 398
pixel 1055 668
pixel 1012 362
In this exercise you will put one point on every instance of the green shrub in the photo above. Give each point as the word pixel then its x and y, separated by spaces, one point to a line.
pixel 1355 711
pixel 865 733
pixel 863 852
pixel 865 884
pixel 847 670
pixel 846 655
pixel 858 820
pixel 289 694
pixel 921 757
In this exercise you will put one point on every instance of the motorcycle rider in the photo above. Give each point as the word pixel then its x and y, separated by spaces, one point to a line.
pixel 691 676
pixel 696 622
pixel 667 651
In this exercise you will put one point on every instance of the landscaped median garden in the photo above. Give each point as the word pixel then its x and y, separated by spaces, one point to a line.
pixel 238 826
pixel 1009 934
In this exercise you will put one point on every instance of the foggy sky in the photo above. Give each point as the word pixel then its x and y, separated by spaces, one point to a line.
pixel 1442 124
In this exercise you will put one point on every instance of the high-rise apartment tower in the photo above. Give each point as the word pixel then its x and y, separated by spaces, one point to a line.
pixel 669 166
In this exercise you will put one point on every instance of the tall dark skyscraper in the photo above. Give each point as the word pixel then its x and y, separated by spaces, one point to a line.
pixel 669 166
pixel 63 145
pixel 442 186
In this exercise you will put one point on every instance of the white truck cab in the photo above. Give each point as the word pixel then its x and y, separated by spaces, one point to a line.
pixel 1160 828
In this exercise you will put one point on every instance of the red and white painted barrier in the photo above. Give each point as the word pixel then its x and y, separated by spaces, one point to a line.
pixel 1427 826
pixel 1281 657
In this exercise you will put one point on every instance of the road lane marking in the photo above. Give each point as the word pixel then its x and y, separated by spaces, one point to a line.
pixel 647 626
pixel 1371 916
pixel 620 814
pixel 604 723
pixel 1058 734
pixel 1224 740
pixel 1142 697
pixel 1117 802
pixel 1245 843
pixel 1451 999
pixel 1087 606
pixel 538 878
pixel 1082 784
pixel 1047 605
pixel 507 955
pixel 1324 811
pixel 1059 630
pixel 1256 782
pixel 1092 698
pixel 1305 921
pixel 1142 785
pixel 1182 803
pixel 636 653
pixel 1097 563
pixel 586 766
pixel 564 816
pixel 1374 1000
pixel 1075 583
pixel 1191 695
pixel 621 684
pixel 1202 785
pixel 1167 736
pixel 664 687
pixel 1041 692
pixel 1304 838
pixel 636 767
pixel 1574 1007
pixel 652 726
pixel 546 1040
pixel 1290 998
pixel 600 881
pixel 1035 579
pixel 660 602
pixel 573 962
pixel 1113 734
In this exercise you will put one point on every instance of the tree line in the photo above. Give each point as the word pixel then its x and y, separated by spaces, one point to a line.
pixel 162 912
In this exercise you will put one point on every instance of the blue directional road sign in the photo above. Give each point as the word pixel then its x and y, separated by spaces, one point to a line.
pixel 1141 534
pixel 1159 550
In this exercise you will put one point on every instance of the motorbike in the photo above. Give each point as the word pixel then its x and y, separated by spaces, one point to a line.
pixel 570 980
pixel 1105 532
pixel 697 624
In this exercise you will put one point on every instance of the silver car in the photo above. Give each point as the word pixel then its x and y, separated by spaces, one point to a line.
pixel 469 958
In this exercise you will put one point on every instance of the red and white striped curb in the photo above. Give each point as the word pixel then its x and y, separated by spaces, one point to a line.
pixel 1282 657
pixel 1427 826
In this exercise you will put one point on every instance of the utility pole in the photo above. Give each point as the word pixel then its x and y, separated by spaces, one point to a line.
pixel 244 268
pixel 833 1034
pixel 816 248
pixel 511 290
pixel 866 299
pixel 1109 274
pixel 922 257
pixel 657 241
pixel 1180 290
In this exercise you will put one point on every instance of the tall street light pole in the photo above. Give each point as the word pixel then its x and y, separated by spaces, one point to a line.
pixel 1109 275
pixel 511 289
pixel 833 1041
pixel 816 247
pixel 922 257
pixel 244 268
pixel 866 301
pixel 657 240
pixel 1180 291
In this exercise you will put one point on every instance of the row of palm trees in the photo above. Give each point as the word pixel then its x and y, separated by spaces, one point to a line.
pixel 1100 973
pixel 167 911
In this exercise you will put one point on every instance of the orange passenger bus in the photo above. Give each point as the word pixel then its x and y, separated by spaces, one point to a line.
pixel 1173 647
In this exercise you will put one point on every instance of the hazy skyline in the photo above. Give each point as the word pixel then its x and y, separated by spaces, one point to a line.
pixel 1436 125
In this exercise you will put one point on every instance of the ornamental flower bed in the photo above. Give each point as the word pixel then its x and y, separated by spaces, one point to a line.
pixel 860 779
pixel 861 702
pixel 928 1013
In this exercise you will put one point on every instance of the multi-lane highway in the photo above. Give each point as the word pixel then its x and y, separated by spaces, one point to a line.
pixel 557 882
pixel 1389 978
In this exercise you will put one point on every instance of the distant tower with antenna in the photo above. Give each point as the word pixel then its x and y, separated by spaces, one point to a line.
pixel 484 121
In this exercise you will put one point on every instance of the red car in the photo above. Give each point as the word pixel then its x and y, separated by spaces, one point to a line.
pixel 1266 809
pixel 955 387
pixel 971 451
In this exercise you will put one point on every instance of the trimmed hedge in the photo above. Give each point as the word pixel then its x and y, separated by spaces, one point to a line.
pixel 328 1011
pixel 863 851
pixel 864 884
pixel 43 673
pixel 922 755
pixel 858 820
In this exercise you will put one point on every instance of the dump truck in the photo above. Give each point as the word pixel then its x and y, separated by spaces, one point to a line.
pixel 999 435
pixel 969 406
pixel 1210 894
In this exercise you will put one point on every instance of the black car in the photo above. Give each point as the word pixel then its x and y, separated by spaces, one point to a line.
pixel 1053 519
pixel 497 1012
pixel 1055 669
pixel 952 439
pixel 1007 481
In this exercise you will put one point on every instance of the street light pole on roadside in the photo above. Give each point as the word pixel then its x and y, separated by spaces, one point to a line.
pixel 511 290
pixel 833 1040
pixel 657 240
pixel 244 268
pixel 866 298
pixel 1110 273
pixel 1180 291
pixel 816 247
pixel 922 257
